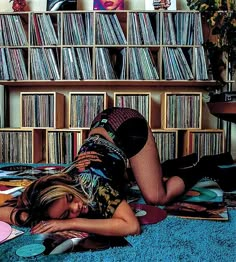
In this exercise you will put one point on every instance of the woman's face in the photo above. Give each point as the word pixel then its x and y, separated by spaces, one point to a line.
pixel 112 4
pixel 67 207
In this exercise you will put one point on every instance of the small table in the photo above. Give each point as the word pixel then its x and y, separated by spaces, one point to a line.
pixel 223 110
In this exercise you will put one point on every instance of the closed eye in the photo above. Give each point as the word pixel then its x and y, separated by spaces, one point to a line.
pixel 65 214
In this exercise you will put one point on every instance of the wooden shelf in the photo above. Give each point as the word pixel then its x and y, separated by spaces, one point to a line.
pixel 156 59
pixel 223 110
pixel 158 83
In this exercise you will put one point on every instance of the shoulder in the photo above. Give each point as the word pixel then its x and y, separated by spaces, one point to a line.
pixel 107 199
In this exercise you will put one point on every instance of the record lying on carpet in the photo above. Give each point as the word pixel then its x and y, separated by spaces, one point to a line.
pixel 19 168
pixel 48 168
pixel 147 214
pixel 5 230
pixel 30 250
pixel 197 194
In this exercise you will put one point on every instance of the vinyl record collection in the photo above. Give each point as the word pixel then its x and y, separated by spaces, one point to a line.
pixel 166 144
pixel 13 59
pixel 44 64
pixel 84 108
pixel 38 110
pixel 142 64
pixel 138 102
pixel 96 45
pixel 43 31
pixel 109 30
pixel 206 143
pixel 110 63
pixel 9 24
pixel 78 29
pixel 63 146
pixel 77 63
pixel 13 64
pixel 16 147
pixel 183 111
pixel 182 29
pixel 142 28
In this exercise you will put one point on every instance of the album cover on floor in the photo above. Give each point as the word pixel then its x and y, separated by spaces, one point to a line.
pixel 203 201
pixel 73 241
pixel 200 210
pixel 206 190
pixel 203 194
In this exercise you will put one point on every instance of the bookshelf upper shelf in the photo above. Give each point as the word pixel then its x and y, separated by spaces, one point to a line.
pixel 153 83
pixel 118 48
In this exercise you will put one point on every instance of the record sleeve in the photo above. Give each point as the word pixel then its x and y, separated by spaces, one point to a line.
pixel 5 231
pixel 197 194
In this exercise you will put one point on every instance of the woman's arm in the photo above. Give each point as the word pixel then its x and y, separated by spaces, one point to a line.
pixel 5 214
pixel 122 223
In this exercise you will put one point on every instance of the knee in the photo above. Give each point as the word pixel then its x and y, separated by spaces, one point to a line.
pixel 155 200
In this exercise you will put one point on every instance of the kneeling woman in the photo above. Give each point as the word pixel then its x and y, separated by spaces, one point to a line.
pixel 89 194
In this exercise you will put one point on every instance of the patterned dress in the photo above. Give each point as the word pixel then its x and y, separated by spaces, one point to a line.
pixel 98 172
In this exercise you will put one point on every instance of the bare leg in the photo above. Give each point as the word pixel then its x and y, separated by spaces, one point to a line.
pixel 148 174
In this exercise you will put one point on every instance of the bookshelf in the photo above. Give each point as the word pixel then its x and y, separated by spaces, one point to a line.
pixel 62 145
pixel 21 145
pixel 102 45
pixel 167 143
pixel 181 110
pixel 84 106
pixel 101 59
pixel 140 101
pixel 42 109
pixel 204 142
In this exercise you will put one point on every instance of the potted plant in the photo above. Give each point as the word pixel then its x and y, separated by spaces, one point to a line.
pixel 219 20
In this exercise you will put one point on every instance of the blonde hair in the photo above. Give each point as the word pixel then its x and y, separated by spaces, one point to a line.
pixel 38 196
pixel 50 194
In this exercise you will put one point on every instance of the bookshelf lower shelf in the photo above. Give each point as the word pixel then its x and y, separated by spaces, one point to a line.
pixel 223 110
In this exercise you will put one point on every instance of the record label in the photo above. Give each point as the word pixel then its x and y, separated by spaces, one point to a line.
pixel 148 214
pixel 5 231
pixel 30 250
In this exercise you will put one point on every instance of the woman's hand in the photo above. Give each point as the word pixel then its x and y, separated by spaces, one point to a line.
pixel 49 226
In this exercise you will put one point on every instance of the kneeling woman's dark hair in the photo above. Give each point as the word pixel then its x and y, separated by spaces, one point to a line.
pixel 38 196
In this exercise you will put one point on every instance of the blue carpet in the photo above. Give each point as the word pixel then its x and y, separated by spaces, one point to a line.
pixel 173 239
